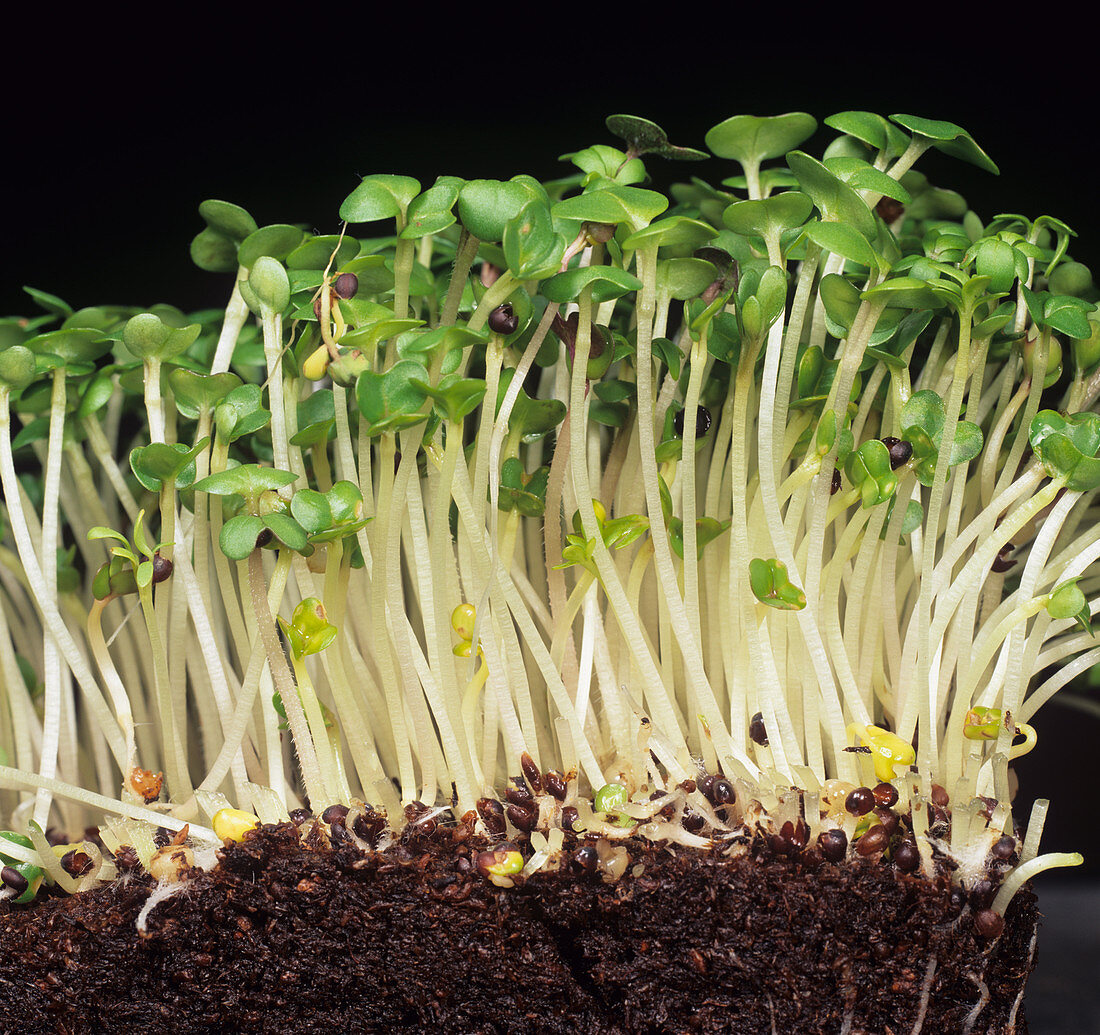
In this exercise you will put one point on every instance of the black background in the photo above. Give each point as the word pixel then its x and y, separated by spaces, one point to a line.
pixel 113 135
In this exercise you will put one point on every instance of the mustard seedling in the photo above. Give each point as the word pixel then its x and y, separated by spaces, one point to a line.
pixel 671 503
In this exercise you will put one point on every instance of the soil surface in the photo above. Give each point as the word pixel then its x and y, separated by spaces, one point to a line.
pixel 284 938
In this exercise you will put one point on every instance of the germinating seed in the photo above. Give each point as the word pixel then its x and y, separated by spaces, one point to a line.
pixel 860 801
pixel 833 844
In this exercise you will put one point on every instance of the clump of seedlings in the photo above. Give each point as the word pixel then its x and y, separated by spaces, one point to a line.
pixel 569 511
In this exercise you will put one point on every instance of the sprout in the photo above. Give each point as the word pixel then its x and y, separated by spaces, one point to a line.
pixel 233 824
pixel 545 479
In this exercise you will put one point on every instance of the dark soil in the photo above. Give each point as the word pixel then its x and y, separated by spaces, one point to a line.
pixel 280 938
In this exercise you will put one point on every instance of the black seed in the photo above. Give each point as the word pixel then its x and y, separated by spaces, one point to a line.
pixel 688 786
pixel 982 895
pixel 873 842
pixel 860 801
pixel 13 879
pixel 531 771
pixel 886 795
pixel 76 863
pixel 265 537
pixel 758 734
pixel 881 950
pixel 702 422
pixel 555 784
pixel 722 792
pixel 958 898
pixel 940 796
pixel 706 785
pixel 492 815
pixel 338 833
pixel 692 822
pixel 586 859
pixel 299 816
pixel 569 816
pixel 503 320
pixel 888 818
pixel 900 451
pixel 833 844
pixel 1005 848
pixel 889 209
pixel 463 864
pixel 521 818
pixel 1002 563
pixel 906 857
pixel 988 924
pixel 162 568
pixel 369 827
pixel 334 814
pixel 126 858
pixel 834 488
pixel 519 795
pixel 345 285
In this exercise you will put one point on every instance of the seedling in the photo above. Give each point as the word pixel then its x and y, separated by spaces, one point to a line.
pixel 697 512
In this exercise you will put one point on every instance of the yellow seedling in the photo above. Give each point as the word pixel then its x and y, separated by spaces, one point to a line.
pixel 500 862
pixel 463 618
pixel 315 365
pixel 888 750
pixel 233 824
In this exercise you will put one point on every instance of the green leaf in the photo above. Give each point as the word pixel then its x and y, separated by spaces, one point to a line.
pixel 311 510
pixel 147 336
pixel 836 200
pixel 160 462
pixel 967 444
pixel 1067 447
pixel 227 219
pixel 645 137
pixel 996 259
pixel 750 139
pixel 769 215
pixel 196 392
pixel 905 293
pixel 948 138
pixel 247 480
pixel 214 252
pixel 607 282
pixel 532 248
pixel 456 396
pixel 432 211
pixel 238 536
pixel 530 418
pixel 680 232
pixel 316 252
pixel 613 203
pixel 486 206
pixel 1068 601
pixel 868 469
pixel 872 129
pixel 17 367
pixel 685 278
pixel 276 241
pixel 269 283
pixel 380 196
pixel 287 531
pixel 51 303
pixel 771 585
pixel 841 301
pixel 391 401
pixel 863 176
pixel 844 240
pixel 73 345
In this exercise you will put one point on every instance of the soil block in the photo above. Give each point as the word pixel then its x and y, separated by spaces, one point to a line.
pixel 281 937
